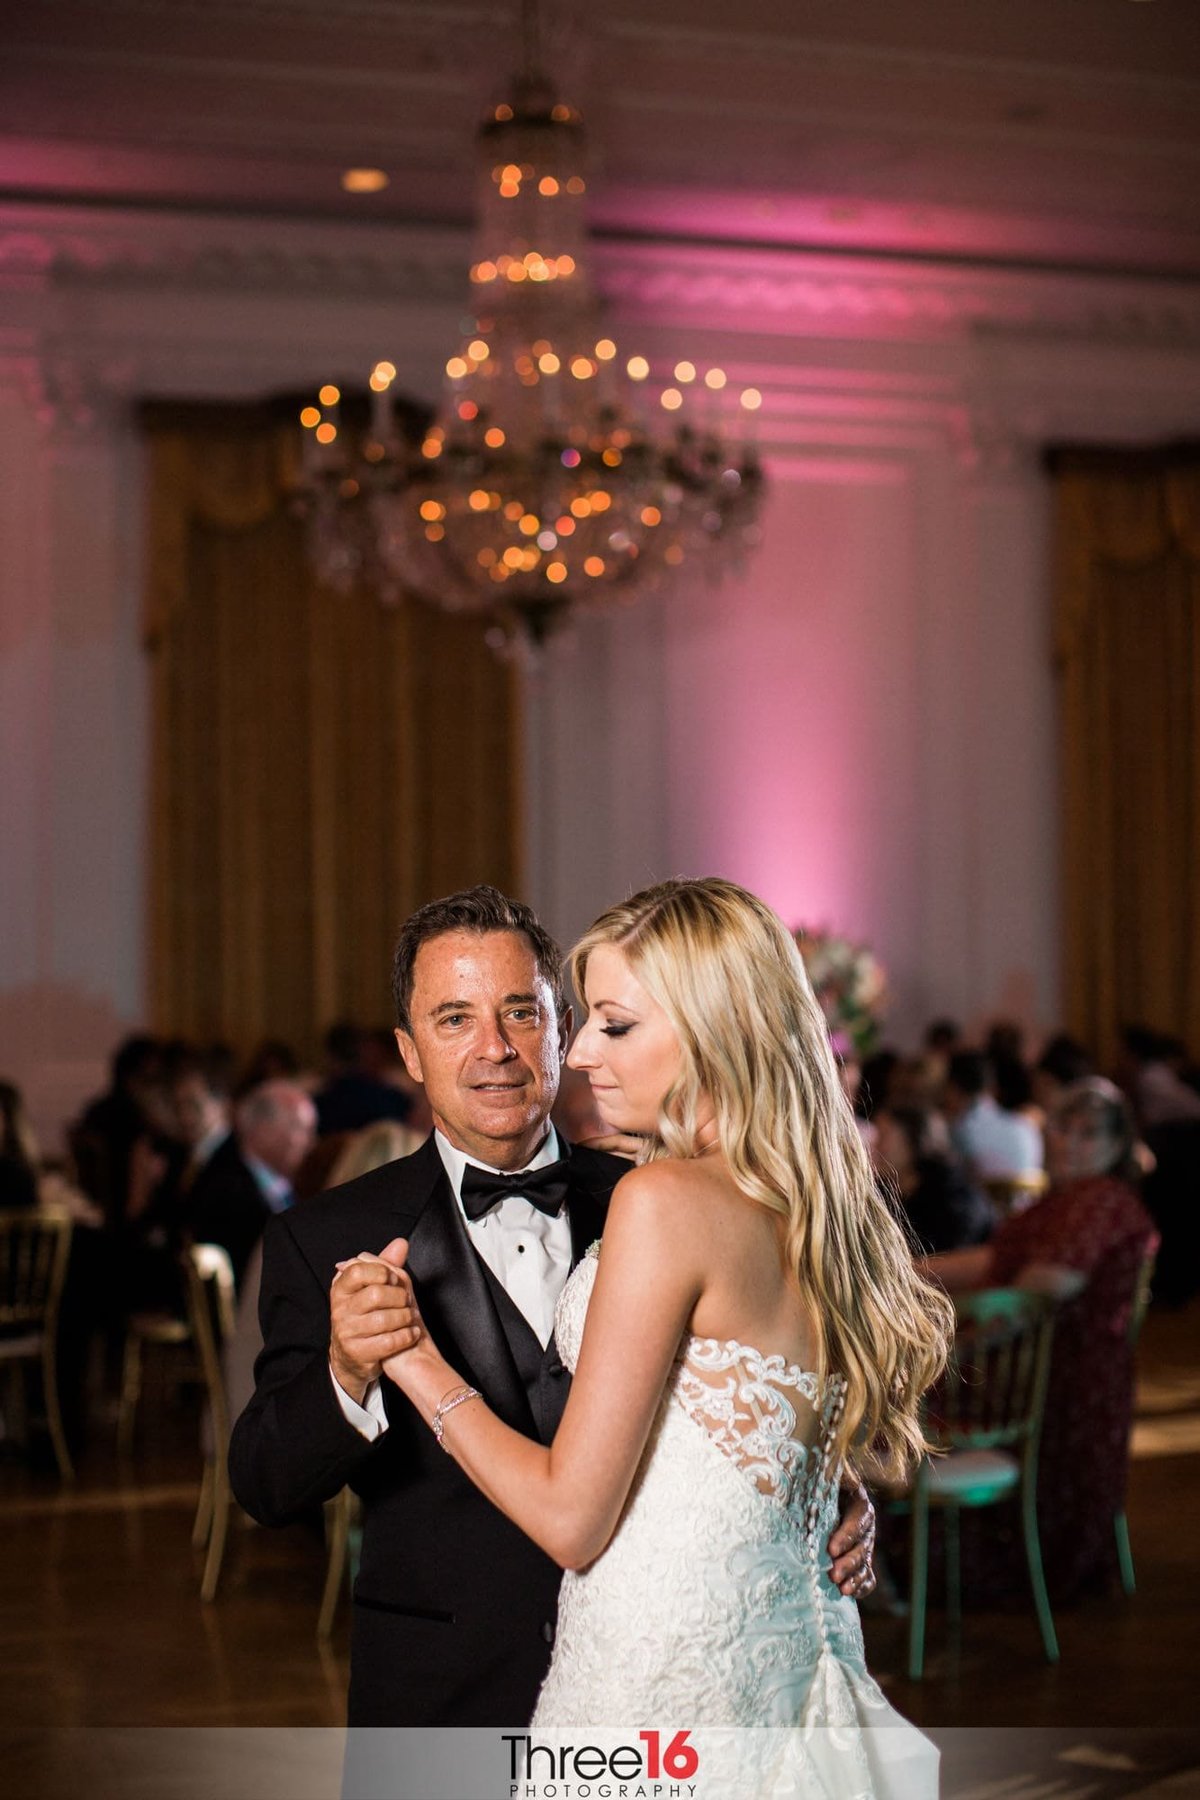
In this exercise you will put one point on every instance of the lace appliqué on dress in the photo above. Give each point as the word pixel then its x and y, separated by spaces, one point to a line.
pixel 768 1416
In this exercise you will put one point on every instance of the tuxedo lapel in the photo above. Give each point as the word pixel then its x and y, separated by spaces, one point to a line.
pixel 585 1209
pixel 456 1302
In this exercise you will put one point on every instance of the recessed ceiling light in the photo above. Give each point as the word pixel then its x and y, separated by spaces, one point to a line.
pixel 364 181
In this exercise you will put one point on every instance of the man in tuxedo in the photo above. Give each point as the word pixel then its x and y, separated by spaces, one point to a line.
pixel 454 1609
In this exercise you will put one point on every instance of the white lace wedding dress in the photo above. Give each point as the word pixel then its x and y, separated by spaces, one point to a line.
pixel 711 1606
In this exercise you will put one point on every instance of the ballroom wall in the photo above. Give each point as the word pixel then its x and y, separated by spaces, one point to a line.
pixel 860 722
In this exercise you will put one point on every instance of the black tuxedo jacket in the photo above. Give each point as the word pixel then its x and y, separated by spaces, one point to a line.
pixel 454 1608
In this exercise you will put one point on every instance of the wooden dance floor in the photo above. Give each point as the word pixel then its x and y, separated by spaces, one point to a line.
pixel 101 1624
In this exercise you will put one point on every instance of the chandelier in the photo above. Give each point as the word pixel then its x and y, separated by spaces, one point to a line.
pixel 558 475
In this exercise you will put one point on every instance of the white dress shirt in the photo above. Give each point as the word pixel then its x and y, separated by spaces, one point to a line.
pixel 527 1251
pixel 996 1144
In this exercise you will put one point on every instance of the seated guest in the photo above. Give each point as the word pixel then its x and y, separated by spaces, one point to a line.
pixel 202 1119
pixel 24 1180
pixel 163 1173
pixel 1151 1066
pixel 942 1038
pixel 102 1142
pixel 1005 1043
pixel 1085 1242
pixel 992 1142
pixel 351 1096
pixel 936 1203
pixel 1011 1084
pixel 1062 1063
pixel 18 1151
pixel 874 1091
pixel 249 1176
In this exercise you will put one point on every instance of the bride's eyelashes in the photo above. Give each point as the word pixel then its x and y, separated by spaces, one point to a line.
pixel 615 1031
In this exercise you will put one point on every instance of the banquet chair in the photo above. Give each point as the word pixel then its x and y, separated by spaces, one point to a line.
pixel 1137 1314
pixel 212 1314
pixel 35 1247
pixel 210 1303
pixel 988 1420
pixel 144 1331
pixel 343 1527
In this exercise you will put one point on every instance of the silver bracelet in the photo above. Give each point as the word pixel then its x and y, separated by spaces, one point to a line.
pixel 454 1398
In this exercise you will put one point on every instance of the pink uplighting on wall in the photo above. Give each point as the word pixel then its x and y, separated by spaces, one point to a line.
pixel 792 710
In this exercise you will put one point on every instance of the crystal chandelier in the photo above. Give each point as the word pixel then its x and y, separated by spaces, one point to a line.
pixel 542 487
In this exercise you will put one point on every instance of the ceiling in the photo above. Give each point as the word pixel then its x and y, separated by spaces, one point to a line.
pixel 1057 133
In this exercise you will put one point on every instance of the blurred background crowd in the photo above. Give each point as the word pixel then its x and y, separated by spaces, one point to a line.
pixel 1007 1166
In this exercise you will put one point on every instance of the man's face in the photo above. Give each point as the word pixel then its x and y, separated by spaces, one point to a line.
pixel 283 1139
pixel 486 1042
pixel 197 1110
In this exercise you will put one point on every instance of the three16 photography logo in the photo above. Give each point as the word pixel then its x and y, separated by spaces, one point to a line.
pixel 655 1765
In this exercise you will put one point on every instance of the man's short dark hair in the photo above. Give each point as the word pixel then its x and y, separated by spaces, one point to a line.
pixel 968 1072
pixel 136 1058
pixel 1065 1060
pixel 480 909
pixel 942 1034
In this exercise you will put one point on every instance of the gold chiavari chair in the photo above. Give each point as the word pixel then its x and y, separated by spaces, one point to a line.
pixel 210 1301
pixel 35 1246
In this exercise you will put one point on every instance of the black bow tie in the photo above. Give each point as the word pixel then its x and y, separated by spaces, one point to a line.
pixel 544 1188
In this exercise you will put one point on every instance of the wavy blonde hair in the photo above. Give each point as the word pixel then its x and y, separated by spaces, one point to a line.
pixel 756 1050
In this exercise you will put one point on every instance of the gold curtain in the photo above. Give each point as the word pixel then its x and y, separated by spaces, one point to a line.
pixel 322 765
pixel 1128 642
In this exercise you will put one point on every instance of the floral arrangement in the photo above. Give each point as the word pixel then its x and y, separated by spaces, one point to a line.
pixel 851 989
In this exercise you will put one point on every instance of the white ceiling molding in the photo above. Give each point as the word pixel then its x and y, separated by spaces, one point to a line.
pixel 54 250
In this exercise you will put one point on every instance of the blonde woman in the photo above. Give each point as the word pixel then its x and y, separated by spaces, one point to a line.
pixel 753 1319
pixel 372 1148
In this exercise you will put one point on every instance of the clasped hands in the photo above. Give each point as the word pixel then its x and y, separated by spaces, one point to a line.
pixel 374 1318
pixel 376 1326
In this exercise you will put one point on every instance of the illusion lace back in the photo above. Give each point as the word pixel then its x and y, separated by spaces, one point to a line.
pixel 712 1604
pixel 765 1415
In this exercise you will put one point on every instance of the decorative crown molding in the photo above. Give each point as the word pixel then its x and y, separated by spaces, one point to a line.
pixel 47 250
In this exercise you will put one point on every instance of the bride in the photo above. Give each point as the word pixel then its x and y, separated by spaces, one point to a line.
pixel 751 1323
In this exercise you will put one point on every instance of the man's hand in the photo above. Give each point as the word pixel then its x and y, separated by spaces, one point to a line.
pixel 372 1316
pixel 617 1143
pixel 852 1545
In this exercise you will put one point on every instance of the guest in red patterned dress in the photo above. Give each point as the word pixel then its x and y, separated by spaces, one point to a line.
pixel 1085 1241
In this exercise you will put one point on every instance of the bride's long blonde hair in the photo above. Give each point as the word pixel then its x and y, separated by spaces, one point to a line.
pixel 756 1050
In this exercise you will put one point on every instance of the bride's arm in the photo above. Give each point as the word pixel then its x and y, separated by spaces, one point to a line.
pixel 568 1497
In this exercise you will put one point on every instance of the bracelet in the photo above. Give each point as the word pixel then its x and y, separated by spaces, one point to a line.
pixel 447 1404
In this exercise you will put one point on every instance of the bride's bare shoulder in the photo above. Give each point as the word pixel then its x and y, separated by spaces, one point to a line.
pixel 675 1189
